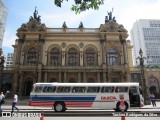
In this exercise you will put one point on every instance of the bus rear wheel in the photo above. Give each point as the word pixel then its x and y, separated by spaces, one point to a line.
pixel 59 107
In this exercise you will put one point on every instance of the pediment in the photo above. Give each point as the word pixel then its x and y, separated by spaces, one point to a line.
pixel 32 26
pixel 112 26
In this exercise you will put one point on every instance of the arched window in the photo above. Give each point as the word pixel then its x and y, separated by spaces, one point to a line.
pixel 32 56
pixel 55 57
pixel 73 57
pixel 72 80
pixel 90 57
pixel 112 57
pixel 91 80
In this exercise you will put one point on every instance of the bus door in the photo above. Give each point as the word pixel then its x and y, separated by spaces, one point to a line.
pixel 134 97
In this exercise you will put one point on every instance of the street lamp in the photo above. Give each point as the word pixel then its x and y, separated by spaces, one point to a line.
pixel 143 80
pixel 1 69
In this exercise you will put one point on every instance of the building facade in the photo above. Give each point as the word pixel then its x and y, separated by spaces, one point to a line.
pixel 3 18
pixel 9 60
pixel 43 54
pixel 145 34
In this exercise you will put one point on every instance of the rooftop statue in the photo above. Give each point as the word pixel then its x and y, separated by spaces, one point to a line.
pixel 64 25
pixel 109 17
pixel 35 16
pixel 81 25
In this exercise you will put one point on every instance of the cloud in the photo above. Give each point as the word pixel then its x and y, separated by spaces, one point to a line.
pixel 136 12
pixel 56 20
pixel 9 39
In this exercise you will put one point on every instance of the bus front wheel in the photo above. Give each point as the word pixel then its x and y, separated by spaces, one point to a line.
pixel 59 107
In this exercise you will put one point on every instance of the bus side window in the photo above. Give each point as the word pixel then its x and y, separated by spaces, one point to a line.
pixel 38 89
pixel 93 89
pixel 121 89
pixel 107 89
pixel 63 89
pixel 78 89
pixel 49 89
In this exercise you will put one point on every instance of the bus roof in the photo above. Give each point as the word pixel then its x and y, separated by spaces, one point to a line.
pixel 86 84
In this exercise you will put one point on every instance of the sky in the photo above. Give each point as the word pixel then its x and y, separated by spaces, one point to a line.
pixel 126 13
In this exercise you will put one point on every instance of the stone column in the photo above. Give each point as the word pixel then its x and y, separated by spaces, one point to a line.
pixel 63 58
pixel 79 77
pixel 98 77
pixel 84 77
pixel 40 51
pixel 103 43
pixel 15 82
pixel 21 75
pixel 104 76
pixel 123 41
pixel 65 77
pixel 18 54
pixel 103 52
pixel 81 59
pixel 59 77
pixel 45 77
pixel 39 76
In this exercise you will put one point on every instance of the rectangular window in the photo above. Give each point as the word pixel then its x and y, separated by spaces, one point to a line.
pixel 107 89
pixel 38 89
pixel 121 89
pixel 49 89
pixel 63 89
pixel 133 90
pixel 78 89
pixel 93 89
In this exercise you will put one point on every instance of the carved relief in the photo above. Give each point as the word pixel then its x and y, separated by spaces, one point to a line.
pixel 81 45
pixel 32 25
pixel 23 27
pixel 63 45
pixel 112 26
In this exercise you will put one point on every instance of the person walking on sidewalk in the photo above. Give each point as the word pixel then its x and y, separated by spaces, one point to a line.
pixel 153 99
pixel 1 101
pixel 15 100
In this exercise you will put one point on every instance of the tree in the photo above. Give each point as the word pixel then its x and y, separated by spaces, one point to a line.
pixel 82 5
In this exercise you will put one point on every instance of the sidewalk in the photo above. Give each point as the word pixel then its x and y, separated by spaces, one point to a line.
pixel 23 104
pixel 151 106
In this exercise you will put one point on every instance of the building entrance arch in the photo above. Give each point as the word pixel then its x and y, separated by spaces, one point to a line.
pixel 154 86
pixel 28 87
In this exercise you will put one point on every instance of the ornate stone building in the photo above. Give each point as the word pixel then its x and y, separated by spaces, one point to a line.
pixel 43 54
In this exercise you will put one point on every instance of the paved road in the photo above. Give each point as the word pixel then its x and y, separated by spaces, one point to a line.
pixel 33 113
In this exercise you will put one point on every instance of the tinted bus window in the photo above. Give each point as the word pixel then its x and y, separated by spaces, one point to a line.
pixel 49 89
pixel 121 89
pixel 133 90
pixel 78 89
pixel 93 89
pixel 63 89
pixel 38 89
pixel 107 89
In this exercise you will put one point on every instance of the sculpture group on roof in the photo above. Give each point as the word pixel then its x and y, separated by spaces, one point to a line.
pixel 36 16
pixel 109 17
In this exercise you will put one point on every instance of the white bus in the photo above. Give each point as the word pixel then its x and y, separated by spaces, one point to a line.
pixel 94 95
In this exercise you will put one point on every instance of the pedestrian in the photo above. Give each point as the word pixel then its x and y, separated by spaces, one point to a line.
pixel 153 99
pixel 1 101
pixel 15 100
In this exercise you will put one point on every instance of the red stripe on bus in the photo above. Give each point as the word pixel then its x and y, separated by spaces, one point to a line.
pixel 68 103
